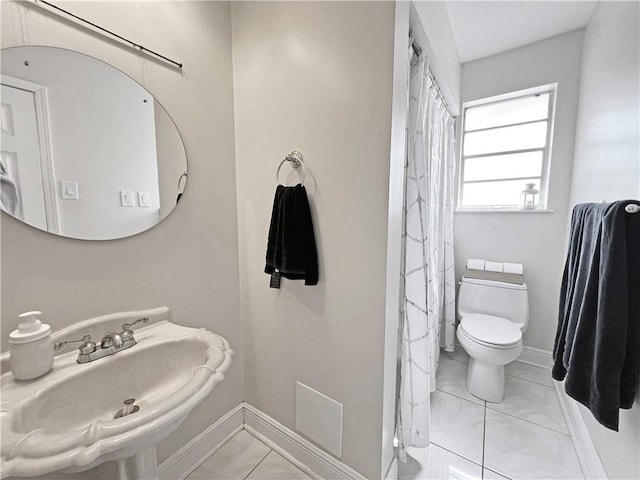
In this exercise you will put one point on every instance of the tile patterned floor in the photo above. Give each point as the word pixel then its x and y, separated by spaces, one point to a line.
pixel 244 457
pixel 524 437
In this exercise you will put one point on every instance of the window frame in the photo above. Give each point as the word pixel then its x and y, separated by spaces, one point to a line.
pixel 546 150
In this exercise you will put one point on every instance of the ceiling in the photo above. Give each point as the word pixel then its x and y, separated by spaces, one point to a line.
pixel 483 28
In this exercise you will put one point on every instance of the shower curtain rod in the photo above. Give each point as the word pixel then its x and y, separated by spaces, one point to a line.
pixel 417 50
pixel 439 93
pixel 126 40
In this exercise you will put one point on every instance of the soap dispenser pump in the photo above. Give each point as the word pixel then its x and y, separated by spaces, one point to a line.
pixel 31 347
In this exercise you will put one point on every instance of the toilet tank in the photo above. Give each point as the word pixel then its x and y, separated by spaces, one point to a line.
pixel 500 299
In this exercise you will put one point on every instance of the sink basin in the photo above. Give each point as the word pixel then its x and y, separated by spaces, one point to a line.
pixel 65 419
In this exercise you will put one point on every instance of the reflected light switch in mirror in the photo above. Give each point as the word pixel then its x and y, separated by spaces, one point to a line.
pixel 69 190
pixel 126 198
pixel 144 199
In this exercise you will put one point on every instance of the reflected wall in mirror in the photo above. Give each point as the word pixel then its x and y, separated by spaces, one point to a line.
pixel 86 152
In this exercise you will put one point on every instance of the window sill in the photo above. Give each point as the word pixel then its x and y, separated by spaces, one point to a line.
pixel 503 210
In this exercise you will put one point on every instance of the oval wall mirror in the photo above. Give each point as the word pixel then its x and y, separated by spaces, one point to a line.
pixel 86 151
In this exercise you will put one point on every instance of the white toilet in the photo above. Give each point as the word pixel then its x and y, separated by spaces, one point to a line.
pixel 493 315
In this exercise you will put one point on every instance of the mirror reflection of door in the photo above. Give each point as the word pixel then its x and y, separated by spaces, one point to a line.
pixel 22 150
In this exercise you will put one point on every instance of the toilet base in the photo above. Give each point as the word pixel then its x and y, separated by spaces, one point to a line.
pixel 486 381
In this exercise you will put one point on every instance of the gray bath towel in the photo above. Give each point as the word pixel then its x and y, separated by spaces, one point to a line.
pixel 597 346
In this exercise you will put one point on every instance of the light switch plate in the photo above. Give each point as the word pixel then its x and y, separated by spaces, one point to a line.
pixel 144 199
pixel 126 198
pixel 69 190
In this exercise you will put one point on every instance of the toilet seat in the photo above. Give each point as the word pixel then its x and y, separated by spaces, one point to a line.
pixel 496 332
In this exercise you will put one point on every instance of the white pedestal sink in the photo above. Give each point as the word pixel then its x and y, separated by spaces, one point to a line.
pixel 64 420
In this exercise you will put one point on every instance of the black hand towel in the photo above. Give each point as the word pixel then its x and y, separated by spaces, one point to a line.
pixel 597 346
pixel 291 248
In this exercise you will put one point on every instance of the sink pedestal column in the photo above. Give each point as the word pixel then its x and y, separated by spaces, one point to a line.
pixel 142 465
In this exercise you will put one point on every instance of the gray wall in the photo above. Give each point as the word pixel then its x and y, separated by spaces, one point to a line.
pixel 316 76
pixel 607 158
pixel 535 239
pixel 607 167
pixel 190 261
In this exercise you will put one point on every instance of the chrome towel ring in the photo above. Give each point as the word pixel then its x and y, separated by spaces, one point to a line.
pixel 295 159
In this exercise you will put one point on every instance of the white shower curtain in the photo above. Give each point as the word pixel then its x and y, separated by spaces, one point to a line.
pixel 427 304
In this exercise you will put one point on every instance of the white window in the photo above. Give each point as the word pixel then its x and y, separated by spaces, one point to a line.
pixel 506 144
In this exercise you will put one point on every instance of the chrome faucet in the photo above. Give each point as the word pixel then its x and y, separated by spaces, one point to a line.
pixel 110 340
pixel 111 343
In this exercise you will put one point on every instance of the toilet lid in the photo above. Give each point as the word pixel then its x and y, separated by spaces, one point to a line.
pixel 490 329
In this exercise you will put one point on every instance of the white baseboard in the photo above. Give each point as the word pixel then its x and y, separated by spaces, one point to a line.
pixel 536 357
pixel 180 465
pixel 301 452
pixel 305 455
pixel 587 454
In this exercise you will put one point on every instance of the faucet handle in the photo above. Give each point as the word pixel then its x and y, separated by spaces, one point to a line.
pixel 127 326
pixel 87 345
pixel 127 332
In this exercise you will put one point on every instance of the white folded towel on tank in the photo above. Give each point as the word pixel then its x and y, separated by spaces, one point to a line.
pixel 513 268
pixel 493 266
pixel 475 264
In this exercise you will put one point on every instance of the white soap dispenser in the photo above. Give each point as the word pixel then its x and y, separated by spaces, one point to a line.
pixel 31 347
